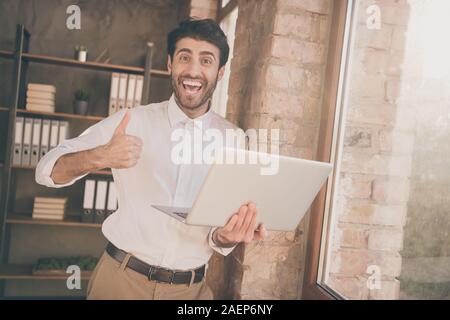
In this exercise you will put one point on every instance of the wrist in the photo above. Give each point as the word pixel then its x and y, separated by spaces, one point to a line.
pixel 96 157
pixel 219 241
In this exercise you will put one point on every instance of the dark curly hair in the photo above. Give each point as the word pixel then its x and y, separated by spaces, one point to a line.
pixel 206 30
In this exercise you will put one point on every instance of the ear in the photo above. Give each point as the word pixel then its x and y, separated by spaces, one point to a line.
pixel 169 63
pixel 221 72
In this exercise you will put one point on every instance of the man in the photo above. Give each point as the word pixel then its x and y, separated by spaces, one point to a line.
pixel 151 255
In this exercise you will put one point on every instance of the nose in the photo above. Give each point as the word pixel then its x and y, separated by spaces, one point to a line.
pixel 194 69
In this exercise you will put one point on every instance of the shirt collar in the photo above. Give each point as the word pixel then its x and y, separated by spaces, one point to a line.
pixel 176 115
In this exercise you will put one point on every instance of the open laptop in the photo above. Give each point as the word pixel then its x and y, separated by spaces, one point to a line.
pixel 282 191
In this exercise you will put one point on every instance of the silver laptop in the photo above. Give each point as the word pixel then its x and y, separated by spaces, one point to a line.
pixel 282 188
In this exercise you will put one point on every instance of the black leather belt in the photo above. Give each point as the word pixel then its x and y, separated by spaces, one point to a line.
pixel 156 273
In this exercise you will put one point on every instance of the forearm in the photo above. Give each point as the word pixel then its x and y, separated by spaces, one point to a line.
pixel 76 164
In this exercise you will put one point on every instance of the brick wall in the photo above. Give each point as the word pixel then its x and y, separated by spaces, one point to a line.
pixel 276 82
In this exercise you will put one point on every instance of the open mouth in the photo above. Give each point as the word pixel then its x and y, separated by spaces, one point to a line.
pixel 192 86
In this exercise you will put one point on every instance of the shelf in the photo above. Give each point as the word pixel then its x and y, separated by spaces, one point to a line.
pixel 68 222
pixel 24 272
pixel 100 172
pixel 7 54
pixel 88 64
pixel 60 115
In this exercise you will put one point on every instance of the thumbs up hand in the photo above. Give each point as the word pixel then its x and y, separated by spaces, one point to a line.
pixel 123 150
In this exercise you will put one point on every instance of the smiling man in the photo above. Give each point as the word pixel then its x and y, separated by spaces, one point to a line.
pixel 151 255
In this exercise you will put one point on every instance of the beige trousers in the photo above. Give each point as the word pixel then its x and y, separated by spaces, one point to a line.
pixel 111 280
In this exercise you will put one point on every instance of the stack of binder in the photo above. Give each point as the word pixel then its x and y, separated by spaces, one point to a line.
pixel 41 97
pixel 126 91
pixel 33 138
pixel 49 208
pixel 99 201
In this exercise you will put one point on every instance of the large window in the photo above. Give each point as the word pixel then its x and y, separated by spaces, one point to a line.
pixel 386 227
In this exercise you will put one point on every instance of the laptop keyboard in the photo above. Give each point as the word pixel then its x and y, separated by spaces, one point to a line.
pixel 181 214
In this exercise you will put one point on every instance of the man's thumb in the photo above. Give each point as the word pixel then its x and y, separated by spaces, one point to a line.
pixel 124 123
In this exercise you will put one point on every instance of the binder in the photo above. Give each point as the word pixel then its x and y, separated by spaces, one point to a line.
pixel 88 201
pixel 54 134
pixel 26 146
pixel 138 91
pixel 35 142
pixel 122 91
pixel 112 199
pixel 44 138
pixel 130 91
pixel 100 201
pixel 63 128
pixel 18 135
pixel 113 98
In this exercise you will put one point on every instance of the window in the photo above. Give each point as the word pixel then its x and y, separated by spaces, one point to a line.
pixel 220 97
pixel 386 222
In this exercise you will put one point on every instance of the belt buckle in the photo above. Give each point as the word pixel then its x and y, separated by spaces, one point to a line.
pixel 172 275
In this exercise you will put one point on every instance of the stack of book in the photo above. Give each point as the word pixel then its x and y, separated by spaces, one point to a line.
pixel 41 97
pixel 49 208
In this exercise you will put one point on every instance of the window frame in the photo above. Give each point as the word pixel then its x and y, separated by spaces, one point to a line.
pixel 223 12
pixel 340 29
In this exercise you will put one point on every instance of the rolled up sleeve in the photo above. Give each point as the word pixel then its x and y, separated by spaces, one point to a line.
pixel 45 167
pixel 92 137
pixel 221 250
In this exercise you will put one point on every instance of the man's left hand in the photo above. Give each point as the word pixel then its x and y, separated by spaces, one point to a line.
pixel 241 227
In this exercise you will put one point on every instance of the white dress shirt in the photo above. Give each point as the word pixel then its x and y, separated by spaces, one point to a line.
pixel 136 226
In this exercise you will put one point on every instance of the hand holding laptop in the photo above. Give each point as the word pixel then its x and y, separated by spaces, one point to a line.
pixel 241 227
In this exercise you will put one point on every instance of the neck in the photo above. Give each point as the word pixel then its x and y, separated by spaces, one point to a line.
pixel 195 112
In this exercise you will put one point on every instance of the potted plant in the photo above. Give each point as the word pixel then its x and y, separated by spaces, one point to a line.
pixel 80 105
pixel 81 53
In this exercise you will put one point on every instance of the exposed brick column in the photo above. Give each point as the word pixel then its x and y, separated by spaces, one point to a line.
pixel 276 82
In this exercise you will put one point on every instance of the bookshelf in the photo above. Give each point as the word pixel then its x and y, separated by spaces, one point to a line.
pixel 15 218
pixel 21 58
pixel 24 272
pixel 96 172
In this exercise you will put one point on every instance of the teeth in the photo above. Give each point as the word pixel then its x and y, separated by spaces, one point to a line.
pixel 192 83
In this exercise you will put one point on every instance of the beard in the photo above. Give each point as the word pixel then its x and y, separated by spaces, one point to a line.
pixel 192 101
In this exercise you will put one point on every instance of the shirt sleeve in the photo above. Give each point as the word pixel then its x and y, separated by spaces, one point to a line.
pixel 94 136
pixel 221 250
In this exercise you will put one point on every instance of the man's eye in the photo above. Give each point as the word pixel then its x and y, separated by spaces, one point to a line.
pixel 207 61
pixel 184 58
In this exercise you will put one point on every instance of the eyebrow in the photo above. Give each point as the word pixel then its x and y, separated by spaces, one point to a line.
pixel 202 53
